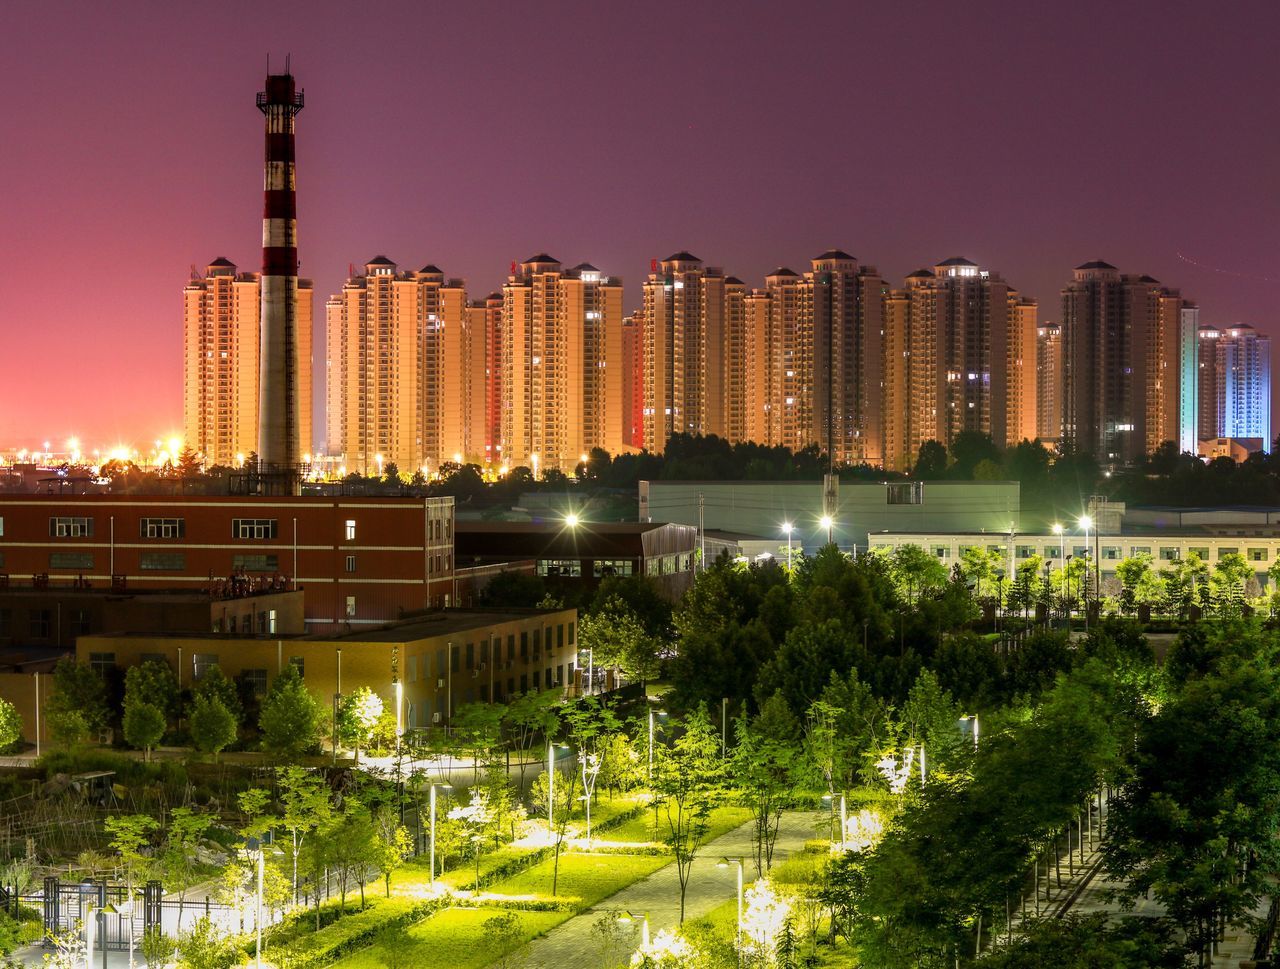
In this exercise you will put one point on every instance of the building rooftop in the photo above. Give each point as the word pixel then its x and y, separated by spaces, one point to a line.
pixel 379 261
pixel 734 281
pixel 222 262
pixel 543 258
pixel 1096 264
pixel 957 261
pixel 585 267
pixel 835 254
pixel 684 255
pixel 782 271
pixel 431 268
pixel 920 274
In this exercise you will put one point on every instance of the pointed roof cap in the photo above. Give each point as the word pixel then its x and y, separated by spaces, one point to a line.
pixel 782 271
pixel 1096 264
pixel 379 261
pixel 222 262
pixel 541 257
pixel 1144 278
pixel 684 255
pixel 431 268
pixel 920 274
pixel 957 261
pixel 734 281
pixel 585 267
pixel 834 254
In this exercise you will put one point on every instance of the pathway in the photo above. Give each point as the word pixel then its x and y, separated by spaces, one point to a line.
pixel 571 944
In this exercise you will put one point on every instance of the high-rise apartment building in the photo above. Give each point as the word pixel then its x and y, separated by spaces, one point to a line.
pixel 485 316
pixel 221 336
pixel 958 348
pixel 683 350
pixel 762 370
pixel 633 380
pixel 1049 382
pixel 406 371
pixel 561 362
pixel 1124 341
pixel 1235 384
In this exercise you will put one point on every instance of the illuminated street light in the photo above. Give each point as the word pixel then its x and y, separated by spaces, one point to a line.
pixel 827 522
pixel 737 935
pixel 786 530
pixel 443 787
pixel 571 520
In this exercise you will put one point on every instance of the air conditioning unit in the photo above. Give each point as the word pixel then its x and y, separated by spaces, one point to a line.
pixel 439 684
pixel 435 717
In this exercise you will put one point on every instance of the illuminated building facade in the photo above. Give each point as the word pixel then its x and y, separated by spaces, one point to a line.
pixel 221 347
pixel 1049 382
pixel 633 380
pixel 1124 340
pixel 1235 384
pixel 561 375
pixel 958 353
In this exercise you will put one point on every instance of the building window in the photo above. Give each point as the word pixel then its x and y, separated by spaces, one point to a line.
pixel 70 527
pixel 255 680
pixel 162 528
pixel 351 563
pixel 564 567
pixel 511 648
pixel 101 663
pixel 350 530
pixel 163 561
pixel 1168 554
pixel 255 563
pixel 81 620
pixel 1113 551
pixel 1026 551
pixel 70 560
pixel 40 623
pixel 941 551
pixel 201 663
pixel 572 631
pixel 6 622
pixel 1 527
pixel 560 636
pixel 471 656
pixel 1200 553
pixel 413 669
pixel 1 560
pixel 1257 555
pixel 604 567
pixel 253 527
pixel 271 620
pixel 905 493
pixel 1227 551
pixel 351 607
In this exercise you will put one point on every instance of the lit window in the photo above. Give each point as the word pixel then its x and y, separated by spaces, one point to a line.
pixel 351 530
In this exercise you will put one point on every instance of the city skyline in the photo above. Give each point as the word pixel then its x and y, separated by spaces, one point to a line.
pixel 623 170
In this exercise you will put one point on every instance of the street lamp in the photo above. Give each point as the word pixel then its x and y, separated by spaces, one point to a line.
pixel 591 668
pixel 827 522
pixel 974 720
pixel 643 919
pixel 443 787
pixel 1086 523
pixel 727 862
pixel 551 786
pixel 571 520
pixel 786 530
pixel 256 848
pixel 661 713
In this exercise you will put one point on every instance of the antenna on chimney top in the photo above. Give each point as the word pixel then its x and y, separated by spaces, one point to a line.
pixel 653 265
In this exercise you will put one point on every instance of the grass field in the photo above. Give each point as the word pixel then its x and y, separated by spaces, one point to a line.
pixel 454 938
pixel 584 879
pixel 640 829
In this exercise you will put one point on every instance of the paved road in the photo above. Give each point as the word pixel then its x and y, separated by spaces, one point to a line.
pixel 571 945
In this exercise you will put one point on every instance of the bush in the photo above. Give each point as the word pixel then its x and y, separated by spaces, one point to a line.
pixel 10 727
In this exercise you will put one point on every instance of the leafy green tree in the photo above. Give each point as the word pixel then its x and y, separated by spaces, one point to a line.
pixel 1227 583
pixel 763 768
pixel 688 783
pixel 143 725
pixel 931 462
pixel 618 641
pixel 10 726
pixel 67 727
pixel 77 689
pixel 475 817
pixel 215 685
pixel 358 714
pixel 968 450
pixel 1091 942
pixel 351 847
pixel 213 726
pixel 205 947
pixel 304 807
pixel 392 844
pixel 292 717
pixel 152 682
pixel 530 718
pixel 502 938
pixel 980 565
pixel 590 724
pixel 157 948
pixel 1131 572
pixel 916 572
pixel 130 834
pixel 186 830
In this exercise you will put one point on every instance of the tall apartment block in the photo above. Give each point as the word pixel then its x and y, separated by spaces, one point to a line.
pixel 221 355
pixel 1124 341
pixel 406 370
pixel 1235 384
pixel 958 348
pixel 683 350
pixel 485 317
pixel 1049 382
pixel 633 380
pixel 561 364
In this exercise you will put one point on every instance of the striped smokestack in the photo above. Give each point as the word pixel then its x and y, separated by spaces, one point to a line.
pixel 278 402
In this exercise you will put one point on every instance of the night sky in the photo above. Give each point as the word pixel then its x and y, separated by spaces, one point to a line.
pixel 1028 137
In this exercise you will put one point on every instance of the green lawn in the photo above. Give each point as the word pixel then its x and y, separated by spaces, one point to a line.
pixel 453 938
pixel 585 879
pixel 640 829
pixel 416 872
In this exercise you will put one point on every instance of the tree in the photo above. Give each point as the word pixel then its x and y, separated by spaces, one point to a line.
pixel 67 727
pixel 1131 572
pixel 502 937
pixel 291 716
pixel 475 818
pixel 130 834
pixel 1091 942
pixel 186 830
pixel 1227 583
pixel 151 682
pixel 213 726
pixel 157 948
pixel 205 947
pixel 358 714
pixel 10 726
pixel 763 768
pixel 350 847
pixel 979 564
pixel 78 689
pixel 305 806
pixel 530 717
pixel 392 844
pixel 931 462
pixel 215 685
pixel 618 641
pixel 687 784
pixel 143 726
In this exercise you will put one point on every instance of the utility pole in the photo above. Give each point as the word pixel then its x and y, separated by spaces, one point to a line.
pixel 702 533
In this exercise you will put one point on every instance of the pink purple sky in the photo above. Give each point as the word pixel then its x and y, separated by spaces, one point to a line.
pixel 1027 136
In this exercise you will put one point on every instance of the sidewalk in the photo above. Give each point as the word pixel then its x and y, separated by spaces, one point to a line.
pixel 571 945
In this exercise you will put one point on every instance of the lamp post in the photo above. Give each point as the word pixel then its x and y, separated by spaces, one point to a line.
pixel 445 787
pixel 661 713
pixel 551 787
pixel 727 862
pixel 256 848
pixel 844 816
pixel 974 720
pixel 1086 523
pixel 829 523
pixel 643 919
pixel 786 530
